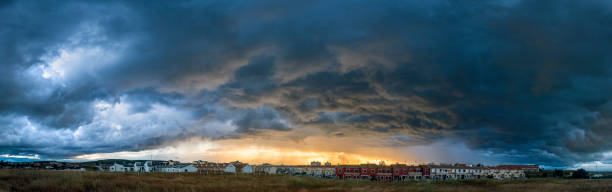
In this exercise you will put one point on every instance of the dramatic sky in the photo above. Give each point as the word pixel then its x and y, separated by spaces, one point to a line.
pixel 502 81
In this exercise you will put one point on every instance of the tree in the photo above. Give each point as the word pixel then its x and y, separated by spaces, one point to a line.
pixel 558 173
pixel 580 174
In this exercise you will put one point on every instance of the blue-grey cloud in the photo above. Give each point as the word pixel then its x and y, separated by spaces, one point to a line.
pixel 528 80
pixel 261 118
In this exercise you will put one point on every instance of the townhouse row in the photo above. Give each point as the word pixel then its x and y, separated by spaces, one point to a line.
pixel 175 167
pixel 150 166
pixel 395 172
pixel 402 172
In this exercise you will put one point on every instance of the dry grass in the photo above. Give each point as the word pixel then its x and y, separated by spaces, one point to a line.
pixel 20 180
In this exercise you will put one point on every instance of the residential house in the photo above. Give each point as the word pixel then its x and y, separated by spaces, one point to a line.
pixel 238 167
pixel 247 169
pixel 177 168
pixel 266 169
pixel 210 167
pixel 119 168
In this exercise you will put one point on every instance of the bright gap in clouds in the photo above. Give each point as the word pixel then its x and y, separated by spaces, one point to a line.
pixel 211 151
pixel 83 54
pixel 73 62
pixel 315 148
pixel 604 165
pixel 20 156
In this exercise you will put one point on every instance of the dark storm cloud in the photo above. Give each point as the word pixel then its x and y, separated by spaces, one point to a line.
pixel 260 118
pixel 528 80
pixel 141 100
pixel 252 81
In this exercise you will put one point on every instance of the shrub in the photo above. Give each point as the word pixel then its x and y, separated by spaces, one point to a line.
pixel 558 173
pixel 580 174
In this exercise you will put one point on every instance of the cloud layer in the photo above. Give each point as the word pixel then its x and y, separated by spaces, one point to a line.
pixel 525 80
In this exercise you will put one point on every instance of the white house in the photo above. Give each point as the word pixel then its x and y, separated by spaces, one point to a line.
pixel 266 168
pixel 230 168
pixel 138 167
pixel 176 168
pixel 188 168
pixel 238 167
pixel 270 169
pixel 143 167
pixel 247 169
pixel 507 173
pixel 117 168
pixel 315 171
pixel 148 166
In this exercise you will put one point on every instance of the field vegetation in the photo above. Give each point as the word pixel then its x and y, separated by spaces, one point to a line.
pixel 30 180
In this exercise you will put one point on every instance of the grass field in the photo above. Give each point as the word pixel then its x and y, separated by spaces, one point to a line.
pixel 20 180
